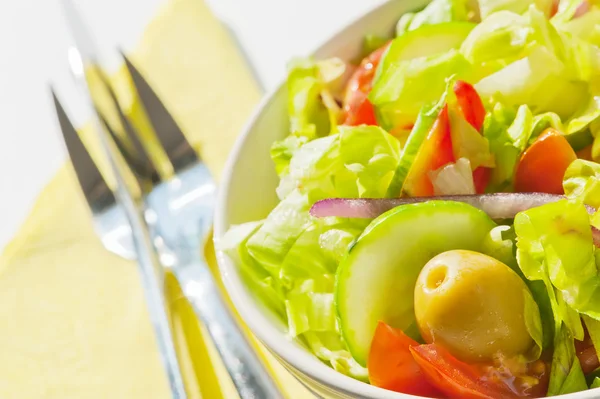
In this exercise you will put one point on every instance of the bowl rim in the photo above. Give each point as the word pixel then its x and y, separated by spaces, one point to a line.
pixel 282 347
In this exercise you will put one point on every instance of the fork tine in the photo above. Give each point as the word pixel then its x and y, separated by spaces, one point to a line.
pixel 94 187
pixel 177 147
pixel 142 179
pixel 138 159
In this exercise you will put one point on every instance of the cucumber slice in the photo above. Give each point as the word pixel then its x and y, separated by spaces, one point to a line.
pixel 376 279
pixel 425 41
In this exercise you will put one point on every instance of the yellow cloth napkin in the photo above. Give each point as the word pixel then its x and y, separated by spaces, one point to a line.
pixel 74 321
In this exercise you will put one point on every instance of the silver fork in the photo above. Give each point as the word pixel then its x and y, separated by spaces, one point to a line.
pixel 176 216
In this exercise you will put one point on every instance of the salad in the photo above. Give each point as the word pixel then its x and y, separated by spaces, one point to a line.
pixel 437 230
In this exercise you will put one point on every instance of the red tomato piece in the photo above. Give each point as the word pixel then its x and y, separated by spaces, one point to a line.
pixel 481 178
pixel 435 152
pixel 357 107
pixel 391 365
pixel 470 104
pixel 542 166
pixel 454 378
pixel 472 109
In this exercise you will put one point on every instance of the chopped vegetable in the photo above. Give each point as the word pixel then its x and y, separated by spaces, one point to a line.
pixel 435 152
pixel 497 206
pixel 455 378
pixel 539 172
pixel 357 107
pixel 392 366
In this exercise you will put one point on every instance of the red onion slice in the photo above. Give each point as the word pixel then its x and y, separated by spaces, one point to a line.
pixel 582 9
pixel 497 206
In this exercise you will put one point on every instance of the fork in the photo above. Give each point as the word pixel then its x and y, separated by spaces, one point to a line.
pixel 174 216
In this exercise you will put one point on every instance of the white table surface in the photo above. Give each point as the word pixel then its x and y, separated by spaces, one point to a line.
pixel 33 47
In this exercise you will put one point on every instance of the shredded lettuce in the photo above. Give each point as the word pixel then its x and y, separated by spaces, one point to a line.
pixel 308 115
pixel 566 375
pixel 436 12
pixel 489 7
pixel 258 279
pixel 555 245
pixel 508 134
pixel 582 182
pixel 586 27
pixel 355 162
pixel 497 41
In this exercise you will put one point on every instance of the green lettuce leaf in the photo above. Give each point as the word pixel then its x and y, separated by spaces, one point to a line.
pixel 312 318
pixel 436 12
pixel 507 139
pixel 330 348
pixel 595 383
pixel 267 288
pixel 439 39
pixel 589 113
pixel 497 41
pixel 283 150
pixel 355 162
pixel 566 375
pixel 555 245
pixel 533 323
pixel 566 11
pixel 582 182
pixel 309 117
pixel 538 80
pixel 405 87
pixel 489 7
pixel 326 243
pixel 586 27
pixel 542 122
pixel 270 244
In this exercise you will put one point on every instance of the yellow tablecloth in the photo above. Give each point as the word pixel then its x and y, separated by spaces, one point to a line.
pixel 73 318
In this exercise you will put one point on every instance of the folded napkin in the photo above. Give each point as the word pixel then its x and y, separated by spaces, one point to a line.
pixel 74 320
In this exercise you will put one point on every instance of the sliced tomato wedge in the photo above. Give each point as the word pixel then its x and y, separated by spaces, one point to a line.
pixel 472 109
pixel 454 378
pixel 392 366
pixel 357 107
pixel 470 104
pixel 481 178
pixel 542 166
pixel 435 152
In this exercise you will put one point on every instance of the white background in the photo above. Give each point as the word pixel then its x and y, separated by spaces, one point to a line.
pixel 33 47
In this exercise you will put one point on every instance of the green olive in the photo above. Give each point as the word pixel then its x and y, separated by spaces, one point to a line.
pixel 473 305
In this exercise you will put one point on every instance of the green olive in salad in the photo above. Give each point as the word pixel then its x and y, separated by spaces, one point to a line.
pixel 438 229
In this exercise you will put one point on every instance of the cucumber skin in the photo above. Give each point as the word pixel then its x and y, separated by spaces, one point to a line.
pixel 360 355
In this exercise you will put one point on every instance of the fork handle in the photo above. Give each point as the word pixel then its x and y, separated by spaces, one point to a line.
pixel 249 375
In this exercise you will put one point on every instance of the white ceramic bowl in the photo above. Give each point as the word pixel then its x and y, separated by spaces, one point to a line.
pixel 248 193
